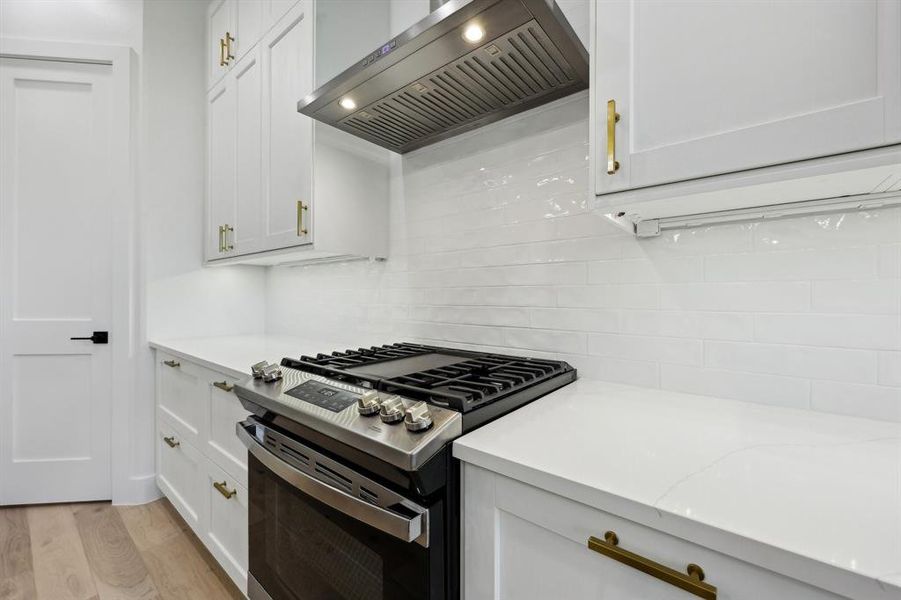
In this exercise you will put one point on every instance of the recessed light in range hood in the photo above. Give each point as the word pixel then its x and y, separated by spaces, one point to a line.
pixel 468 63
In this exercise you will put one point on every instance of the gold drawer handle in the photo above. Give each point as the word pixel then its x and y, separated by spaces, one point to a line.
pixel 221 238
pixel 222 61
pixel 172 442
pixel 692 582
pixel 220 487
pixel 612 120
pixel 223 385
pixel 301 208
pixel 226 246
pixel 172 363
pixel 228 47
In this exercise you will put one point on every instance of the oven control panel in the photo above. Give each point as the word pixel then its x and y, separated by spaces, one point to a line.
pixel 324 396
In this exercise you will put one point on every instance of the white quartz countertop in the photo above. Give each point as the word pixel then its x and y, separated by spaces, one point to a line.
pixel 233 355
pixel 814 496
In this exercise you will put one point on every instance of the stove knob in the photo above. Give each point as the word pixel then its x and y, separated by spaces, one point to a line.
pixel 257 369
pixel 271 373
pixel 418 417
pixel 368 403
pixel 392 410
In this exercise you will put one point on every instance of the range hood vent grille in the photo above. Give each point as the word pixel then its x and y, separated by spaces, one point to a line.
pixel 530 63
pixel 521 67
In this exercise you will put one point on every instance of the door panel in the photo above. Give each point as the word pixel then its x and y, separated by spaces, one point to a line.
pixel 249 24
pixel 699 94
pixel 219 22
pixel 55 281
pixel 248 86
pixel 287 134
pixel 221 169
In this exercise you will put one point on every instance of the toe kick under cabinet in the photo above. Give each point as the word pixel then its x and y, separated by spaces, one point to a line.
pixel 524 543
pixel 201 464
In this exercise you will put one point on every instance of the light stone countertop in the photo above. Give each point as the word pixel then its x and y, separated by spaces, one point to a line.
pixel 814 496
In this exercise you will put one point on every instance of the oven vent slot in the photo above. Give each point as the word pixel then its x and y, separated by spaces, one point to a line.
pixel 334 477
pixel 297 456
pixel 369 496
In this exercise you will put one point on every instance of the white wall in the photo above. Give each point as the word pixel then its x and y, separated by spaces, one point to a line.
pixel 494 246
pixel 115 22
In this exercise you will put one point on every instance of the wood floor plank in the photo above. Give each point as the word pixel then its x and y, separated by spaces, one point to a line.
pixel 180 566
pixel 176 560
pixel 61 570
pixel 16 567
pixel 118 569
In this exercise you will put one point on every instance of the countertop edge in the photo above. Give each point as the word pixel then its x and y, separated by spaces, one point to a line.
pixel 779 560
pixel 203 362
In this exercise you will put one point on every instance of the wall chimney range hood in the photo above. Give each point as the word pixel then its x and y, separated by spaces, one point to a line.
pixel 467 64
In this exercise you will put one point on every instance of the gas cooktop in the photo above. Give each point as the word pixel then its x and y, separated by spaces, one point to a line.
pixel 400 403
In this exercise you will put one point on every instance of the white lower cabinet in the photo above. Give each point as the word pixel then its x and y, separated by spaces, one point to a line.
pixel 180 468
pixel 225 531
pixel 524 543
pixel 201 464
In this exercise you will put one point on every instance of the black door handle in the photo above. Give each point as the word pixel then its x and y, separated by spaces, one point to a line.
pixel 99 337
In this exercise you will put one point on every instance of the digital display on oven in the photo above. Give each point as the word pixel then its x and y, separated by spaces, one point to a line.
pixel 323 396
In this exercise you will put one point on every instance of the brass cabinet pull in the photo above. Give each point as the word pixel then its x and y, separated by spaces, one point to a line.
pixel 172 442
pixel 692 582
pixel 228 47
pixel 612 120
pixel 301 208
pixel 220 487
pixel 223 385
pixel 222 61
pixel 172 363
pixel 221 233
pixel 226 245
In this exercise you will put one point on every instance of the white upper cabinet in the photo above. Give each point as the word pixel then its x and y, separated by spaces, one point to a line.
pixel 287 134
pixel 220 35
pixel 280 189
pixel 708 88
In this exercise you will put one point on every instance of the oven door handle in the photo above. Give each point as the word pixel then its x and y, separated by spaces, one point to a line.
pixel 399 526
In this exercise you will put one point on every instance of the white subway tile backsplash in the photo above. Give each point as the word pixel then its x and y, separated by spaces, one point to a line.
pixel 869 401
pixel 576 319
pixel 889 368
pixel 495 246
pixel 796 361
pixel 750 387
pixel 633 347
pixel 874 332
pixel 842 263
pixel 877 297
pixel 701 325
pixel 737 297
pixel 608 296
pixel 890 261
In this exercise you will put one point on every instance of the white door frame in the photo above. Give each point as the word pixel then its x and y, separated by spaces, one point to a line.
pixel 127 486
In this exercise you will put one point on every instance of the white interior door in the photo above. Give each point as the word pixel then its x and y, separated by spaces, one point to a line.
pixel 55 281
pixel 705 88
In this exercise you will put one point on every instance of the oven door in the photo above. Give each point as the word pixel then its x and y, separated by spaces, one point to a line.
pixel 318 530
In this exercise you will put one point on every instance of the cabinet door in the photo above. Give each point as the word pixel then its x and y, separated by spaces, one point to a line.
pixel 276 9
pixel 705 88
pixel 221 197
pixel 219 24
pixel 246 81
pixel 287 134
pixel 180 473
pixel 248 25
pixel 225 528
pixel 182 395
pixel 223 445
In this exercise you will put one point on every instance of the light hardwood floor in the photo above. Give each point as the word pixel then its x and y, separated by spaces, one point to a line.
pixel 96 551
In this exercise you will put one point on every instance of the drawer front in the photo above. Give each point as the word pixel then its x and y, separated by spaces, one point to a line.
pixel 180 473
pixel 226 526
pixel 524 542
pixel 181 393
pixel 223 446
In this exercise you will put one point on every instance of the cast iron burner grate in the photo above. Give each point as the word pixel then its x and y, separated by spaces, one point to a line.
pixel 475 380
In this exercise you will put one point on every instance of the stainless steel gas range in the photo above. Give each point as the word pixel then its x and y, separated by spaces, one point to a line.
pixel 353 490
